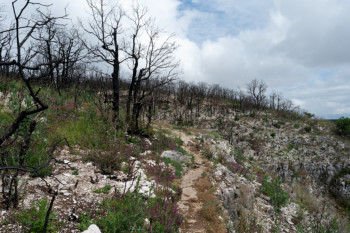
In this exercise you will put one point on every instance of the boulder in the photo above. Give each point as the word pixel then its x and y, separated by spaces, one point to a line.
pixel 176 156
pixel 93 229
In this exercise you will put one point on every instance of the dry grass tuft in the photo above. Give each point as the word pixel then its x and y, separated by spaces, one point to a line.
pixel 211 208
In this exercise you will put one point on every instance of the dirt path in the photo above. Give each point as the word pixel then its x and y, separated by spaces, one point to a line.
pixel 189 204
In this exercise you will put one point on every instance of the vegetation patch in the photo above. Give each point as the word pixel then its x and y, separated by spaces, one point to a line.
pixel 132 212
pixel 343 126
pixel 278 197
pixel 176 165
pixel 115 157
pixel 33 220
pixel 161 174
pixel 211 210
pixel 104 189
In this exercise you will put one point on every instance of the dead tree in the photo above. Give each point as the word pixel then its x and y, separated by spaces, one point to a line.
pixel 72 52
pixel 19 132
pixel 6 42
pixel 257 89
pixel 105 26
pixel 273 100
pixel 135 52
pixel 160 64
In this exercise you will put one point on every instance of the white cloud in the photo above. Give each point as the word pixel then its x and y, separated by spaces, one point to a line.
pixel 298 42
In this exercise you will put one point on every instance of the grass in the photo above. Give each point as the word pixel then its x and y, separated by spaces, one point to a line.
pixel 206 152
pixel 104 190
pixel 84 128
pixel 33 219
pixel 176 165
pixel 305 199
pixel 211 210
pixel 132 140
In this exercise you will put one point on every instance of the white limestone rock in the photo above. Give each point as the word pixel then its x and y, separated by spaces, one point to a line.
pixel 92 229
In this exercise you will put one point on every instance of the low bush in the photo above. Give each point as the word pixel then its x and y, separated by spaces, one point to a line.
pixel 275 192
pixel 111 159
pixel 307 129
pixel 343 126
pixel 206 152
pixel 163 142
pixel 161 174
pixel 84 222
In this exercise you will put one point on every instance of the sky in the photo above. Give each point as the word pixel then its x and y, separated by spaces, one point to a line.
pixel 299 48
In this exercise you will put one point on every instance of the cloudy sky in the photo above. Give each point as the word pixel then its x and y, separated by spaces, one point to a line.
pixel 300 48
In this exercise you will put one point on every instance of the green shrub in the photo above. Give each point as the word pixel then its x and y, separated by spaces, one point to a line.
pixel 277 125
pixel 147 132
pixel 290 147
pixel 33 219
pixel 273 134
pixel 278 197
pixel 163 142
pixel 84 222
pixel 307 129
pixel 239 156
pixel 37 154
pixel 132 140
pixel 343 126
pixel 309 115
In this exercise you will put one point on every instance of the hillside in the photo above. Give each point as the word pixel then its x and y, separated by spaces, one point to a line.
pixel 212 168
pixel 101 130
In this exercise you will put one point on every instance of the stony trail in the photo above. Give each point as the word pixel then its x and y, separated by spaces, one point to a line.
pixel 189 204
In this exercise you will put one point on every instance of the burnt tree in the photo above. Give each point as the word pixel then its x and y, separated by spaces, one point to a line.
pixel 105 26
